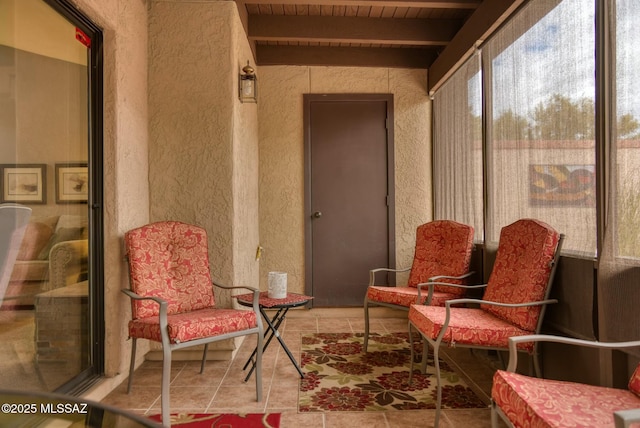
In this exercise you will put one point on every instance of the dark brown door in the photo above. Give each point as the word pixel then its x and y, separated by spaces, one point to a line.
pixel 348 194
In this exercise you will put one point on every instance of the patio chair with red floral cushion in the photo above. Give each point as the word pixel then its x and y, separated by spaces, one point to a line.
pixel 442 253
pixel 173 299
pixel 513 303
pixel 523 401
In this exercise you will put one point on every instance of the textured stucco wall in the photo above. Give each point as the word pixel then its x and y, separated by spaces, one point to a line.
pixel 203 153
pixel 203 150
pixel 282 156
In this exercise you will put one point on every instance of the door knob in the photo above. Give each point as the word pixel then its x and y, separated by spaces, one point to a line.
pixel 317 214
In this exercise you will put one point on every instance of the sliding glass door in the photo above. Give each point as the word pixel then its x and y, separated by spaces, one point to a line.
pixel 50 321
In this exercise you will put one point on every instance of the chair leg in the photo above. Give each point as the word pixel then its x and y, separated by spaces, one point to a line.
pixel 204 357
pixel 436 362
pixel 412 354
pixel 259 367
pixel 494 415
pixel 366 324
pixel 132 363
pixel 166 375
pixel 425 356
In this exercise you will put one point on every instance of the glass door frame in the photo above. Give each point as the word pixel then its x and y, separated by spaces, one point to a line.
pixel 95 99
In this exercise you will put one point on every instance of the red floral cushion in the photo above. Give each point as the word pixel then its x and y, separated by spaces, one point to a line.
pixel 169 260
pixel 466 326
pixel 532 402
pixel 521 271
pixel 406 296
pixel 443 247
pixel 634 383
pixel 183 327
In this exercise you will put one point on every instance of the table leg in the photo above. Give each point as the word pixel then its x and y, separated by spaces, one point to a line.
pixel 272 327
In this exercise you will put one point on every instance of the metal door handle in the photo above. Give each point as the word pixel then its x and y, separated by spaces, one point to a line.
pixel 317 214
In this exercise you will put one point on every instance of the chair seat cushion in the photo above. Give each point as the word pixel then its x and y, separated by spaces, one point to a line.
pixel 634 382
pixel 405 296
pixel 468 326
pixel 193 325
pixel 532 402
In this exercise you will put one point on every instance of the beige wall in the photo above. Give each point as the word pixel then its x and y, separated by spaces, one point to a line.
pixel 280 113
pixel 203 153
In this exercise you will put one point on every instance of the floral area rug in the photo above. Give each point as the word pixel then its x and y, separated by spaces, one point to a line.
pixel 223 420
pixel 339 376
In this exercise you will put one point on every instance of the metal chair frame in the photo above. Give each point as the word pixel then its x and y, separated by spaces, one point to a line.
pixel 622 418
pixel 435 344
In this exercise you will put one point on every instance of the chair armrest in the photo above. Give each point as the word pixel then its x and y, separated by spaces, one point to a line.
pixel 372 273
pixel 433 281
pixel 239 287
pixel 513 342
pixel 449 303
pixel 624 418
pixel 255 302
pixel 164 322
pixel 439 277
pixel 508 305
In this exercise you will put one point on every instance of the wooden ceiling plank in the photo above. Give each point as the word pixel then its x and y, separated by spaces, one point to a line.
pixel 326 10
pixel 477 28
pixel 353 29
pixel 289 9
pixel 376 12
pixel 429 4
pixel 339 56
pixel 244 19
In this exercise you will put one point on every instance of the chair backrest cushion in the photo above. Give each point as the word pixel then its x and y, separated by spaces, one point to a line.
pixel 169 260
pixel 634 383
pixel 443 247
pixel 522 270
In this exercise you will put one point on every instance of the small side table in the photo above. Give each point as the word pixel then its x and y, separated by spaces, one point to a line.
pixel 292 300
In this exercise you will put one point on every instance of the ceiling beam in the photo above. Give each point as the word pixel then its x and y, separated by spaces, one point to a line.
pixel 480 25
pixel 427 4
pixel 344 56
pixel 244 18
pixel 340 29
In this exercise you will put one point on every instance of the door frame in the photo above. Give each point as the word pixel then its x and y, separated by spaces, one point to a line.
pixel 308 228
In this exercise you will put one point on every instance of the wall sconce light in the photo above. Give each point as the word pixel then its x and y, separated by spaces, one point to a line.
pixel 248 85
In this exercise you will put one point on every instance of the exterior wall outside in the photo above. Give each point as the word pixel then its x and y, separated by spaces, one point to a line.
pixel 581 237
pixel 280 112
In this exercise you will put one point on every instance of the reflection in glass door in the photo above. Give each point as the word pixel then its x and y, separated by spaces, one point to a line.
pixel 46 332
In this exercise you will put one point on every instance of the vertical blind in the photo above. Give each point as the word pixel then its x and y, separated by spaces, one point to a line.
pixel 540 89
pixel 457 149
pixel 536 114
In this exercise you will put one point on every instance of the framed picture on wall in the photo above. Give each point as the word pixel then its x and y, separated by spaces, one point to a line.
pixel 72 183
pixel 24 183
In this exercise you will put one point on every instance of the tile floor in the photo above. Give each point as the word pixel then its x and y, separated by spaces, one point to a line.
pixel 221 388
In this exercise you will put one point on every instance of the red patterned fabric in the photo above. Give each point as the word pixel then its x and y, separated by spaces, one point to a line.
pixel 443 247
pixel 406 296
pixel 292 299
pixel 169 260
pixel 634 383
pixel 521 271
pixel 466 326
pixel 531 402
pixel 184 327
